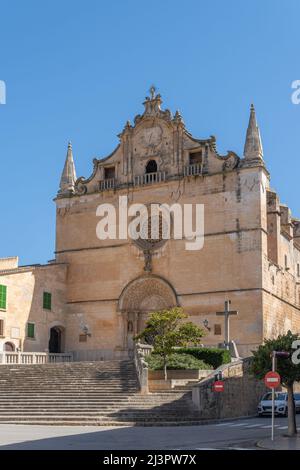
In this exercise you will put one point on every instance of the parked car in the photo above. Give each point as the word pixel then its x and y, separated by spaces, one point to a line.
pixel 281 404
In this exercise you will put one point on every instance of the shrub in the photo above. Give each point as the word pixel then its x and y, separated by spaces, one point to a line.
pixel 175 361
pixel 213 356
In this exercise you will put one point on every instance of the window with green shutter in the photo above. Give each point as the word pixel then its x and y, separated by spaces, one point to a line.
pixel 3 290
pixel 47 301
pixel 30 330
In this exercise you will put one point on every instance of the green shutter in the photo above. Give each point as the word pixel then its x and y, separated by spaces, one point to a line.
pixel 30 330
pixel 3 296
pixel 1 327
pixel 47 301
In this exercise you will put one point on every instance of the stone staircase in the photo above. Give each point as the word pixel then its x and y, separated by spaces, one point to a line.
pixel 87 393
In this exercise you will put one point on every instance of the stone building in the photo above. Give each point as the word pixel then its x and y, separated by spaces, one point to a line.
pixel 96 295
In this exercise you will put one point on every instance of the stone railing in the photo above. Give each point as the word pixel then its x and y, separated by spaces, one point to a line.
pixel 150 178
pixel 193 170
pixel 109 183
pixel 140 352
pixel 34 358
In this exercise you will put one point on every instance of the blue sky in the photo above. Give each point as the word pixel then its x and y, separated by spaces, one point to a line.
pixel 77 70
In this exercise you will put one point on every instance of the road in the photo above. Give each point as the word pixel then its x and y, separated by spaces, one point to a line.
pixel 236 434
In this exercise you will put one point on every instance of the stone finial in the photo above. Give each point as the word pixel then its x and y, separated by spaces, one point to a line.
pixel 253 147
pixel 68 177
pixel 178 118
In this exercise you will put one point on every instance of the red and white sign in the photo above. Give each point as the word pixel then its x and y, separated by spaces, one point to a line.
pixel 272 380
pixel 218 386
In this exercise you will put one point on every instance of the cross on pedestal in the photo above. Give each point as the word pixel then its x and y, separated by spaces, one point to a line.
pixel 227 312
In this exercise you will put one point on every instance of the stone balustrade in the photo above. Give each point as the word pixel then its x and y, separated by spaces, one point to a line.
pixel 193 170
pixel 150 178
pixel 33 357
pixel 109 183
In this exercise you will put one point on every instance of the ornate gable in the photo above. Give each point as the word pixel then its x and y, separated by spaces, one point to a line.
pixel 155 148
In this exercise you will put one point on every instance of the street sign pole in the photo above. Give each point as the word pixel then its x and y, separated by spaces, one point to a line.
pixel 273 380
pixel 273 395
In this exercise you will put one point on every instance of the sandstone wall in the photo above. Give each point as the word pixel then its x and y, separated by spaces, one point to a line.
pixel 241 395
pixel 25 287
pixel 228 266
pixel 9 263
pixel 281 281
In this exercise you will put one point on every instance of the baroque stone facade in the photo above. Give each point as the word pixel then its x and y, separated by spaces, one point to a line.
pixel 103 290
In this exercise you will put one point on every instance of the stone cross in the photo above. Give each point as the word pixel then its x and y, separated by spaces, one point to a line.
pixel 227 312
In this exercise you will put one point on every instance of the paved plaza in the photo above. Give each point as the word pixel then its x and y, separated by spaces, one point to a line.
pixel 236 434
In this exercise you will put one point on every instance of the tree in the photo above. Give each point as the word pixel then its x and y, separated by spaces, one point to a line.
pixel 166 330
pixel 288 371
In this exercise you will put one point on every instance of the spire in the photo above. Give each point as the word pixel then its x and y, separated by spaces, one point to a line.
pixel 68 177
pixel 253 147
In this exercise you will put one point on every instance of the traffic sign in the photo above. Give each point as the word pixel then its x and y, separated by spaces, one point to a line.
pixel 272 380
pixel 218 386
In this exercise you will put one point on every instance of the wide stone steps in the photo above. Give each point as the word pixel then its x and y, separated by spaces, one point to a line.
pixel 63 388
pixel 100 405
pixel 86 399
pixel 97 393
pixel 89 418
pixel 98 422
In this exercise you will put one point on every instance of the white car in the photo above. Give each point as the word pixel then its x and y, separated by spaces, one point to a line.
pixel 281 404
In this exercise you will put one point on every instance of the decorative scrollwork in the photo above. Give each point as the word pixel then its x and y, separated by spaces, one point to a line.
pixel 80 188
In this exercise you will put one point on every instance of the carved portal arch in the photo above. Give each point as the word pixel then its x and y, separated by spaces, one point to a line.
pixel 146 294
pixel 140 297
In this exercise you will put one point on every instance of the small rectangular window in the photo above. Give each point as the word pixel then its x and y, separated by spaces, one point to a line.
pixel 3 295
pixel 82 338
pixel 1 327
pixel 195 157
pixel 30 330
pixel 217 329
pixel 47 300
pixel 298 270
pixel 109 173
pixel 286 262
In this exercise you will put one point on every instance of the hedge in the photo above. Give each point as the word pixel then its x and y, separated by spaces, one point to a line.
pixel 176 362
pixel 213 356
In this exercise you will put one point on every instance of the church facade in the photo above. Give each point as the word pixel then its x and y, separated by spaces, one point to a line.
pixel 96 295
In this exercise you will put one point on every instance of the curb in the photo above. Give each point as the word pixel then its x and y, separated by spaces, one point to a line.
pixel 260 444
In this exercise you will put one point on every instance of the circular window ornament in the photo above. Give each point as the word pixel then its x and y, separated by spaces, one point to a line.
pixel 154 231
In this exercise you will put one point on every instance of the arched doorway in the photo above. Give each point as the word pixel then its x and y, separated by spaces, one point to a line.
pixel 9 347
pixel 140 297
pixel 151 166
pixel 55 341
